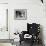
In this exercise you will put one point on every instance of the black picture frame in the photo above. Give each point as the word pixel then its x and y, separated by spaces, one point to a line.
pixel 20 14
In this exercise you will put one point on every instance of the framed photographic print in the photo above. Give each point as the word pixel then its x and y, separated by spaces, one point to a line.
pixel 20 14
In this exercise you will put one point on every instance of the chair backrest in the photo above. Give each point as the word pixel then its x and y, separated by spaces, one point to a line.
pixel 33 28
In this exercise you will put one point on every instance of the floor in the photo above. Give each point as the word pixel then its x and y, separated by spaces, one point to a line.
pixel 22 44
pixel 26 44
pixel 5 44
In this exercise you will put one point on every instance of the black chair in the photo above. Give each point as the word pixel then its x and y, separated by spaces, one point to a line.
pixel 32 29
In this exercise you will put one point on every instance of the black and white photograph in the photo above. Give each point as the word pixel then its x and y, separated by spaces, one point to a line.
pixel 22 22
pixel 20 14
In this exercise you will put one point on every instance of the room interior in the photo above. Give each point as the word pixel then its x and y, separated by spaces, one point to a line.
pixel 16 15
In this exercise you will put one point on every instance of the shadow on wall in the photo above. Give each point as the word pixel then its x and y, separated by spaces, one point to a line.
pixel 41 34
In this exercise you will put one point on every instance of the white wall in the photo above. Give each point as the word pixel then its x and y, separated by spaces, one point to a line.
pixel 3 1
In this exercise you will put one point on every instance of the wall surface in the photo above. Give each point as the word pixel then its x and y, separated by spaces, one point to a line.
pixel 3 1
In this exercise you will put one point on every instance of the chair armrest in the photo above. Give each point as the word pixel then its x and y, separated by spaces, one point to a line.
pixel 22 35
pixel 24 32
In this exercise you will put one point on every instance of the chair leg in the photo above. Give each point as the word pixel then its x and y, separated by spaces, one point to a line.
pixel 32 42
pixel 20 42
